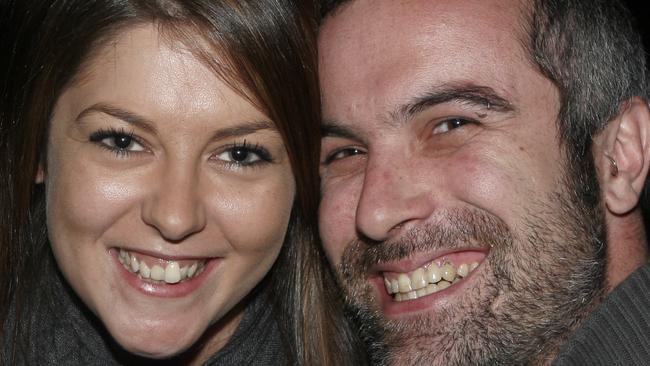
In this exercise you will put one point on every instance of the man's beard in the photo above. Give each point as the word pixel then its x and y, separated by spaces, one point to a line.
pixel 539 283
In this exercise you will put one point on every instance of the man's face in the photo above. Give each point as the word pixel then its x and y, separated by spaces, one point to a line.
pixel 445 204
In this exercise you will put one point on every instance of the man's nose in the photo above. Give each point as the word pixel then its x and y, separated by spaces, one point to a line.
pixel 175 207
pixel 392 197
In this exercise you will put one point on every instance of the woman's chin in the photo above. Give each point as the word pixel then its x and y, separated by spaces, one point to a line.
pixel 155 352
pixel 155 344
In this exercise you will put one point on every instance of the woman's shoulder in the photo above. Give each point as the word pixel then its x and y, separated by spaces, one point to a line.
pixel 54 329
pixel 257 340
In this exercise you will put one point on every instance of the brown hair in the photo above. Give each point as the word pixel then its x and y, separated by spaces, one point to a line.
pixel 266 52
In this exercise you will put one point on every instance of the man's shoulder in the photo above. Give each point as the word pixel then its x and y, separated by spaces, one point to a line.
pixel 617 332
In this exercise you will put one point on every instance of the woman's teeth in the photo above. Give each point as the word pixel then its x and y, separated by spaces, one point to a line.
pixel 172 273
pixel 426 280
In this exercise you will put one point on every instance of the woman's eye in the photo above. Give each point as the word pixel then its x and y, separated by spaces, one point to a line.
pixel 244 155
pixel 450 124
pixel 343 153
pixel 122 142
pixel 118 141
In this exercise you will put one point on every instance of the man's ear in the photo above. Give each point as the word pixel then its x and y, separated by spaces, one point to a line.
pixel 622 156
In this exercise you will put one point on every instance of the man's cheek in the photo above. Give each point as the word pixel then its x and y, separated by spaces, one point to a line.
pixel 336 225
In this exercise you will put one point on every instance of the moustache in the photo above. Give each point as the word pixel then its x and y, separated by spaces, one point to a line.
pixel 451 230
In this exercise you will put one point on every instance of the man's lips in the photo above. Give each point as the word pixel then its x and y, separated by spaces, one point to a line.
pixel 431 277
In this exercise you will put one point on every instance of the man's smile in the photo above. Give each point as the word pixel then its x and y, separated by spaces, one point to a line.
pixel 424 280
pixel 428 279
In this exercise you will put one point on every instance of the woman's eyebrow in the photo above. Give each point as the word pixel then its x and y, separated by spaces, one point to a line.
pixel 243 129
pixel 121 114
pixel 132 118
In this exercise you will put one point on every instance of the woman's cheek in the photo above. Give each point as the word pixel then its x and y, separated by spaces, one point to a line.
pixel 85 202
pixel 255 216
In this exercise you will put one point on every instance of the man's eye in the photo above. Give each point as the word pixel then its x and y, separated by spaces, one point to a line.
pixel 450 124
pixel 343 153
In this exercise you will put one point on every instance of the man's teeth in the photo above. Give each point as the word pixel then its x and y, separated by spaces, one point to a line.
pixel 426 280
pixel 172 273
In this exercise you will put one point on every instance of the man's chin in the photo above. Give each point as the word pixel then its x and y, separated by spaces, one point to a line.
pixel 437 329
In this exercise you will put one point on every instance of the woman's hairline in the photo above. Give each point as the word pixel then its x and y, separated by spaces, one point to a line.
pixel 178 37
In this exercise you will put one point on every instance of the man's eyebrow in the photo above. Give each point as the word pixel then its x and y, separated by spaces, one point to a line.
pixel 466 93
pixel 119 113
pixel 333 128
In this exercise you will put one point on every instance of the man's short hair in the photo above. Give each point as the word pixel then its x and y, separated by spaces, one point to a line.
pixel 591 52
pixel 327 6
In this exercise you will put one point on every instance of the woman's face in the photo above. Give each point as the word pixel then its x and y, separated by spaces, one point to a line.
pixel 168 194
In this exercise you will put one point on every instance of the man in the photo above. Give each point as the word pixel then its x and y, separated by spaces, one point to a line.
pixel 483 167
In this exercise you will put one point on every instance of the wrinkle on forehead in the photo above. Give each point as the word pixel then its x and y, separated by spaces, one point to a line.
pixel 380 40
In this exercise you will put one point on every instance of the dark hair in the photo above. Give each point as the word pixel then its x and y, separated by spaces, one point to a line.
pixel 266 52
pixel 328 7
pixel 592 53
pixel 590 50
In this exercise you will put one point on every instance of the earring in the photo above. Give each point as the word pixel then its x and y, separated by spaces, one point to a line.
pixel 614 166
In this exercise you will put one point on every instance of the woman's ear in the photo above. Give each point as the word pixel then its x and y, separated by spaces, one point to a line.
pixel 40 174
pixel 622 156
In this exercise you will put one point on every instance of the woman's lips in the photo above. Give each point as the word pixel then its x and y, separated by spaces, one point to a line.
pixel 161 277
pixel 157 269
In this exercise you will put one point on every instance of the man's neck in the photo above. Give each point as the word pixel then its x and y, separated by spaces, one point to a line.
pixel 627 247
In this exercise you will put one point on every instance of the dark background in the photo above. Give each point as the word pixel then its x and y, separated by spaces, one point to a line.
pixel 640 11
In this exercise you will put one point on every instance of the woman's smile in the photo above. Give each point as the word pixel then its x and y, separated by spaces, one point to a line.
pixel 159 269
pixel 158 277
pixel 168 193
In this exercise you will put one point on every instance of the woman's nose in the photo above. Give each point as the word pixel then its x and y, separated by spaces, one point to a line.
pixel 175 207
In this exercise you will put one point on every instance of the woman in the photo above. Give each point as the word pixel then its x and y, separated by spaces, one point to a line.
pixel 156 153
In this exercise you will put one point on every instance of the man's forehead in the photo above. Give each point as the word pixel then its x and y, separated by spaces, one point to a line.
pixel 358 22
pixel 375 52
